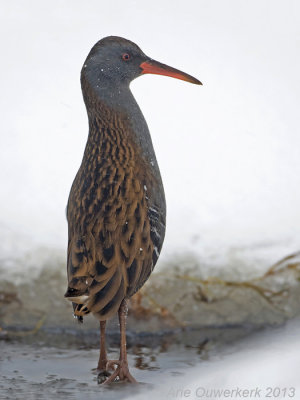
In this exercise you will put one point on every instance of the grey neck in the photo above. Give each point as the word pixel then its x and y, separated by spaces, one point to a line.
pixel 120 99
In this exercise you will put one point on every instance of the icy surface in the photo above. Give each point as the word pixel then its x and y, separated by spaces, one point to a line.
pixel 266 359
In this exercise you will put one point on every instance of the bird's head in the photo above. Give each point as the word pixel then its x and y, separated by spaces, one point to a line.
pixel 118 61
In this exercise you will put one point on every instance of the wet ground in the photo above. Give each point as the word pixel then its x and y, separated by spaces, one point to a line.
pixel 53 365
pixel 31 368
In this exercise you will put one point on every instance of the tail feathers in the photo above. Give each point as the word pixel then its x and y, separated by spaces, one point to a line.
pixel 102 298
pixel 79 311
pixel 75 295
pixel 79 318
pixel 79 301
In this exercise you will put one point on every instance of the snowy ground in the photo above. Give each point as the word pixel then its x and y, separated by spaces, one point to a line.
pixel 264 366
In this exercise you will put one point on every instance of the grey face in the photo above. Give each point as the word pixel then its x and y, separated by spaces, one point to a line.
pixel 114 59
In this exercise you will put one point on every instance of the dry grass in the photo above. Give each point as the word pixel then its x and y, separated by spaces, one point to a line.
pixel 261 285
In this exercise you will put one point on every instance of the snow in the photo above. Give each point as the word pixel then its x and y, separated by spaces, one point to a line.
pixel 228 150
pixel 266 364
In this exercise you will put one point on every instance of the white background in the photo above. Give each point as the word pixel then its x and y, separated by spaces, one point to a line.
pixel 228 151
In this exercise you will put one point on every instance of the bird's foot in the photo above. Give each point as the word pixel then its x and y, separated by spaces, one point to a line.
pixel 103 371
pixel 102 376
pixel 121 373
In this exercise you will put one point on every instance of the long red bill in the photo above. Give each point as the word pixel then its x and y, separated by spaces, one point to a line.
pixel 155 67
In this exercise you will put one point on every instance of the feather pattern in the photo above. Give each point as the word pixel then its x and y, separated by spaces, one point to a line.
pixel 116 226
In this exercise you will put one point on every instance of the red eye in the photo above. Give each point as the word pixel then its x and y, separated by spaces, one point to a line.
pixel 126 57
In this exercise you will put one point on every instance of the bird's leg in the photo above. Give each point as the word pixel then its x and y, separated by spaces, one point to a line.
pixel 122 370
pixel 103 373
pixel 103 356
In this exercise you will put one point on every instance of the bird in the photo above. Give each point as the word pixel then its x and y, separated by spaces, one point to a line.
pixel 116 209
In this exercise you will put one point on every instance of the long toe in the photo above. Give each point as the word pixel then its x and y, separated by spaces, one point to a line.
pixel 121 373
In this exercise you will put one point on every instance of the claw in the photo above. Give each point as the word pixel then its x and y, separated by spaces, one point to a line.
pixel 121 372
pixel 105 369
